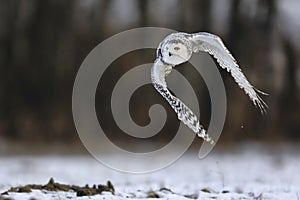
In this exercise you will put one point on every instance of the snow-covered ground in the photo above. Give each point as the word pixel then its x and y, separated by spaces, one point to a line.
pixel 247 172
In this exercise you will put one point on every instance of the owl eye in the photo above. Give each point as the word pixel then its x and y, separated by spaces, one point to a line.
pixel 176 48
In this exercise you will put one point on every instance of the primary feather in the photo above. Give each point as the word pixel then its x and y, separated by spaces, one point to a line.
pixel 213 45
pixel 158 73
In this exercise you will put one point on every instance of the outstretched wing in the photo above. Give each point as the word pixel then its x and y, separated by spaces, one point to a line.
pixel 158 73
pixel 213 45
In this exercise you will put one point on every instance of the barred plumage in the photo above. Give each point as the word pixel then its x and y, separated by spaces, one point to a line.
pixel 177 48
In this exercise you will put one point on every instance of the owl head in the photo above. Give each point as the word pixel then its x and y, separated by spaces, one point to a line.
pixel 174 51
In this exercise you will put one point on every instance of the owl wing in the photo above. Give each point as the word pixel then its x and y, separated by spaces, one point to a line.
pixel 159 71
pixel 213 45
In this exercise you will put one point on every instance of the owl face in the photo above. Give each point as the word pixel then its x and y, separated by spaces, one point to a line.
pixel 175 52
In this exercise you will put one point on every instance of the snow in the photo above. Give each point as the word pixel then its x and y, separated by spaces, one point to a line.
pixel 250 171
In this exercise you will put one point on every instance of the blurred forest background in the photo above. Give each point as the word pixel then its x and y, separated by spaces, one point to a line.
pixel 43 43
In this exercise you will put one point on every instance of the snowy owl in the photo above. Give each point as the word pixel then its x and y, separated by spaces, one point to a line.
pixel 176 49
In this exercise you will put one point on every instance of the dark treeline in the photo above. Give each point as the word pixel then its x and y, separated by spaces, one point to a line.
pixel 43 42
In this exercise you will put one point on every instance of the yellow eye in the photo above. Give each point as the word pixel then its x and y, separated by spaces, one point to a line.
pixel 176 48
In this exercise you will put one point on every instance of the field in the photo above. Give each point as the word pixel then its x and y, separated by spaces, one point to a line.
pixel 249 171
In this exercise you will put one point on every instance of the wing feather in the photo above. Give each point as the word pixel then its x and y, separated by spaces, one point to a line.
pixel 158 73
pixel 213 45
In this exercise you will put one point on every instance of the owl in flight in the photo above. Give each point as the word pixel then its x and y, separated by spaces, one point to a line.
pixel 176 49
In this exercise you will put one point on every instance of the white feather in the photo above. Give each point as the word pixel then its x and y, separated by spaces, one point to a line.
pixel 176 49
pixel 213 45
pixel 158 73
